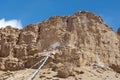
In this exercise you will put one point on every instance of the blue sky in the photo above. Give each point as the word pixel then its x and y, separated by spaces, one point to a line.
pixel 34 11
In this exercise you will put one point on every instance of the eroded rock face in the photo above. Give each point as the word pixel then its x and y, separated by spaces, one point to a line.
pixel 82 39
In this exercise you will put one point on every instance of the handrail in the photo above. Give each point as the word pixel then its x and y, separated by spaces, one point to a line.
pixel 35 73
pixel 13 78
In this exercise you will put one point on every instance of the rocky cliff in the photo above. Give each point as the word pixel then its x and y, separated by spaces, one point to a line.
pixel 80 39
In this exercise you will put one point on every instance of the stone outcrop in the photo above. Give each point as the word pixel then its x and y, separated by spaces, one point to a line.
pixel 64 71
pixel 82 39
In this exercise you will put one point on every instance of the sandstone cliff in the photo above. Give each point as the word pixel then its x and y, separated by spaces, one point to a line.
pixel 81 39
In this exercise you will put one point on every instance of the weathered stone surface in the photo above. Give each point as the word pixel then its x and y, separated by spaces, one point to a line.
pixel 64 71
pixel 82 39
pixel 20 51
pixel 14 65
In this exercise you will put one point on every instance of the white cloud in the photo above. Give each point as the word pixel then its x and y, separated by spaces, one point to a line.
pixel 14 23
